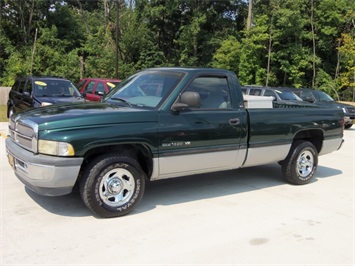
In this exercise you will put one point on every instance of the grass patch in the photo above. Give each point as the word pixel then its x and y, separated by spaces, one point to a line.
pixel 3 110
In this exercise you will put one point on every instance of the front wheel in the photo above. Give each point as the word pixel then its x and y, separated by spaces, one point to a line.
pixel 112 185
pixel 301 163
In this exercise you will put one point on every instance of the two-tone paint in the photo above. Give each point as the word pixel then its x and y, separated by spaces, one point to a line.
pixel 166 143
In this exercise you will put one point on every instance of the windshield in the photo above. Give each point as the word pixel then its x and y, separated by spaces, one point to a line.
pixel 145 89
pixel 323 97
pixel 288 95
pixel 55 88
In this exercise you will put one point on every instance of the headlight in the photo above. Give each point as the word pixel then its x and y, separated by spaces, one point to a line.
pixel 45 104
pixel 55 148
pixel 344 110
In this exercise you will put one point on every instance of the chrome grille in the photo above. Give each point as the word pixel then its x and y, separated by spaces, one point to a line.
pixel 24 129
pixel 24 133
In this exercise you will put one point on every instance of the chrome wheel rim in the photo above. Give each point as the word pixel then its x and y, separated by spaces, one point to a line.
pixel 305 164
pixel 117 187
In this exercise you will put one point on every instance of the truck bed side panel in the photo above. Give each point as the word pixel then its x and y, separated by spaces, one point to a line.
pixel 272 131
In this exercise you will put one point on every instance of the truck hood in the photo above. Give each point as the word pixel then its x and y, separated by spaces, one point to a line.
pixel 85 114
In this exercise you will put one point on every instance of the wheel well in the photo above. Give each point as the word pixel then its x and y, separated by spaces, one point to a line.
pixel 314 136
pixel 139 152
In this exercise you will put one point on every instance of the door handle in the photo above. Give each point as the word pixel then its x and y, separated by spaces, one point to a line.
pixel 234 121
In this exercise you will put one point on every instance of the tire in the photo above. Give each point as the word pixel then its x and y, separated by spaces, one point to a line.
pixel 347 126
pixel 112 185
pixel 301 163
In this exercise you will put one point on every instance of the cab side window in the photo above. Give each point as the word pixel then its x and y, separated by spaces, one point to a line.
pixel 214 92
pixel 307 96
pixel 21 86
pixel 90 87
pixel 270 93
pixel 28 88
pixel 100 87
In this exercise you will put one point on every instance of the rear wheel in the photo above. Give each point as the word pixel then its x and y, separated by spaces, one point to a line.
pixel 112 185
pixel 301 163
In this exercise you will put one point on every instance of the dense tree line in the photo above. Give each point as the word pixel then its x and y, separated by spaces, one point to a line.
pixel 299 43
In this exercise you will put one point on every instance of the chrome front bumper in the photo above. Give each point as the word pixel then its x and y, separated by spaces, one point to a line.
pixel 45 175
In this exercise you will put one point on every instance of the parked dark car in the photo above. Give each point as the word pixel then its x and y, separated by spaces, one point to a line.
pixel 321 98
pixel 28 92
pixel 280 95
pixel 94 88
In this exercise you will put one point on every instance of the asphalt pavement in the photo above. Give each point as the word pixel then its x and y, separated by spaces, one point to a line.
pixel 247 216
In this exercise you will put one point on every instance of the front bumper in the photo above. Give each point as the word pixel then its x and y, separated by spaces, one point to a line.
pixel 45 175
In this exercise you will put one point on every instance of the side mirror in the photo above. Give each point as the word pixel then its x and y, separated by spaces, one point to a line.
pixel 100 93
pixel 309 99
pixel 188 99
pixel 179 107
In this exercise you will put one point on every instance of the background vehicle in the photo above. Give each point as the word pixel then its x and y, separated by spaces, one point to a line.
pixel 28 92
pixel 94 88
pixel 321 98
pixel 280 95
pixel 195 122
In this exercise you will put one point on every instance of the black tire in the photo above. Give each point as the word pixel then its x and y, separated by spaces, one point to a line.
pixel 112 185
pixel 301 163
pixel 347 126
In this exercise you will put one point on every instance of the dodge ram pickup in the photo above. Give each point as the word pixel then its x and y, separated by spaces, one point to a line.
pixel 163 123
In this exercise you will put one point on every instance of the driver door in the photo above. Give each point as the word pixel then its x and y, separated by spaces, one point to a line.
pixel 202 139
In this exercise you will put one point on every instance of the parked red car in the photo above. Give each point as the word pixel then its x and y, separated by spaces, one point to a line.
pixel 94 88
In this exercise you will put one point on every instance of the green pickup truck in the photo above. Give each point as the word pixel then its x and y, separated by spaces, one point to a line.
pixel 163 123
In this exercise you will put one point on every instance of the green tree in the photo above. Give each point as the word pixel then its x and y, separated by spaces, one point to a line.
pixel 347 55
pixel 292 57
pixel 189 41
pixel 228 55
pixel 253 54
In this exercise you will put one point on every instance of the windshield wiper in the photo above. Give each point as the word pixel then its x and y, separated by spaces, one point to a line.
pixel 122 100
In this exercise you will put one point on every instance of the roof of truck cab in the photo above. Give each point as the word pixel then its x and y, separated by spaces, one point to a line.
pixel 189 69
